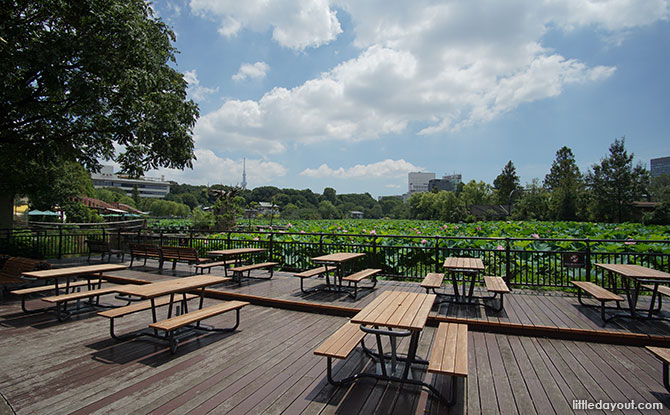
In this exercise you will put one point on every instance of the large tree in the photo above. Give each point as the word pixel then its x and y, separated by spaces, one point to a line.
pixel 614 184
pixel 506 183
pixel 88 80
pixel 566 184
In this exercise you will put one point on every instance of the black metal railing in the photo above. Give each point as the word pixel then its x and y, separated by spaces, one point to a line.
pixel 399 256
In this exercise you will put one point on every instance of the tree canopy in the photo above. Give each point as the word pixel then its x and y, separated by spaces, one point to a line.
pixel 88 80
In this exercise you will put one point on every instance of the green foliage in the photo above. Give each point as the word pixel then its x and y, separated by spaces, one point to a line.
pixel 476 193
pixel 228 206
pixel 202 220
pixel 166 208
pixel 59 185
pixel 81 79
pixel 615 184
pixel 533 204
pixel 566 184
pixel 506 182
pixel 76 212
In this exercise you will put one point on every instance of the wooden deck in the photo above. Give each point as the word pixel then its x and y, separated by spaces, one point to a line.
pixel 267 366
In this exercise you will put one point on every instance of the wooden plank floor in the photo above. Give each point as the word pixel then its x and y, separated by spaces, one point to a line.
pixel 268 367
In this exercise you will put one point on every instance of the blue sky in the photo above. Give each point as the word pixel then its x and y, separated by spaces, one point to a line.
pixel 354 95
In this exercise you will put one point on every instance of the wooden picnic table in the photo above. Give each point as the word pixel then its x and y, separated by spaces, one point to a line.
pixel 171 287
pixel 336 260
pixel 396 314
pixel 465 266
pixel 235 255
pixel 633 277
pixel 88 271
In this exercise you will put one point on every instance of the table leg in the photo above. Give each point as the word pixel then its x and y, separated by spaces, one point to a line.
pixel 454 282
pixel 653 300
pixel 471 292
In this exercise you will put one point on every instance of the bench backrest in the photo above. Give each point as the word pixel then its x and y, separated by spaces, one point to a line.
pixel 15 266
pixel 95 245
pixel 145 249
pixel 179 253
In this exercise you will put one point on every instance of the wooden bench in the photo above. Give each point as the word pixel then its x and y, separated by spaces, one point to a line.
pixel 497 286
pixel 359 276
pixel 339 346
pixel 239 271
pixel 24 293
pixel 14 267
pixel 661 291
pixel 102 247
pixel 61 300
pixel 146 251
pixel 433 281
pixel 663 354
pixel 118 312
pixel 172 324
pixel 449 355
pixel 309 274
pixel 180 254
pixel 209 265
pixel 597 292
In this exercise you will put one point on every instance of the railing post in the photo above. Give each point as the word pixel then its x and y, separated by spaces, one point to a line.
pixel 60 242
pixel 374 252
pixel 190 238
pixel 228 241
pixel 587 259
pixel 508 265
pixel 321 244
pixel 270 247
pixel 160 238
pixel 437 254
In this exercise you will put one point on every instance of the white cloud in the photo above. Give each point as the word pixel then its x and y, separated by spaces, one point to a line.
pixel 441 65
pixel 296 24
pixel 382 169
pixel 212 169
pixel 256 70
pixel 195 90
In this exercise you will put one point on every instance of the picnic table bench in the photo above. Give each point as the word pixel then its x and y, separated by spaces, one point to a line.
pixel 171 325
pixel 238 272
pixel 209 265
pixel 359 276
pixel 61 300
pixel 599 293
pixel 663 354
pixel 495 285
pixel 103 248
pixel 309 274
pixel 14 267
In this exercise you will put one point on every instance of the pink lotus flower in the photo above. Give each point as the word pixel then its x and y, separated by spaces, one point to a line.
pixel 536 236
pixel 302 231
pixel 418 232
pixel 256 239
pixel 479 228
pixel 456 227
pixel 500 248
pixel 365 231
pixel 423 241
pixel 373 232
pixel 289 225
pixel 629 243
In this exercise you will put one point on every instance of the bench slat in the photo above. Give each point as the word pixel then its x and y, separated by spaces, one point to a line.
pixel 312 272
pixel 50 287
pixel 215 264
pixel 597 291
pixel 360 275
pixel 495 284
pixel 661 353
pixel 254 266
pixel 140 306
pixel 449 355
pixel 80 295
pixel 342 342
pixel 432 280
pixel 662 289
pixel 197 315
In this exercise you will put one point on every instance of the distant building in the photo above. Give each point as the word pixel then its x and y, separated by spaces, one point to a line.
pixel 660 166
pixel 147 186
pixel 418 182
pixel 449 183
pixel 355 214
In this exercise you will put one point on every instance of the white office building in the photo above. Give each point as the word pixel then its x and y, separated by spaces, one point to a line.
pixel 418 182
pixel 147 186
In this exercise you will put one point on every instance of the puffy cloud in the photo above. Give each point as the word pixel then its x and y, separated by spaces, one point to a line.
pixel 212 169
pixel 382 169
pixel 296 24
pixel 195 90
pixel 440 65
pixel 256 70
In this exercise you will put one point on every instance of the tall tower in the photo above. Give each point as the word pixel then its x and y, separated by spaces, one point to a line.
pixel 244 174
